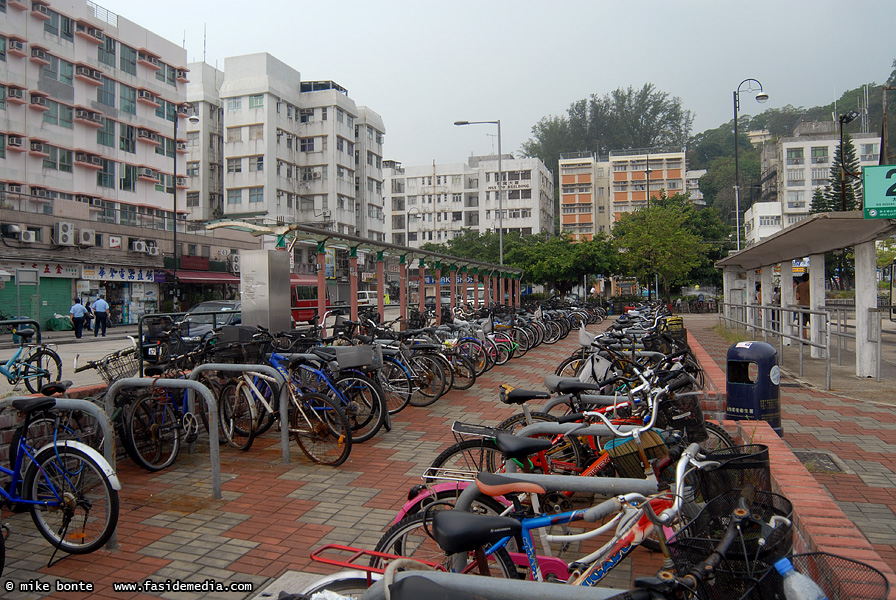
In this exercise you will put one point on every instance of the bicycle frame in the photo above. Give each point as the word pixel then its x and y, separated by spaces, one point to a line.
pixel 12 367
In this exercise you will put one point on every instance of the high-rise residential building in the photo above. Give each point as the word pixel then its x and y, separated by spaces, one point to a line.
pixel 596 191
pixel 205 144
pixel 89 106
pixel 434 203
pixel 293 151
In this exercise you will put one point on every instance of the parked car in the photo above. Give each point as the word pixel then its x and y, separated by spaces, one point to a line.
pixel 366 298
pixel 195 326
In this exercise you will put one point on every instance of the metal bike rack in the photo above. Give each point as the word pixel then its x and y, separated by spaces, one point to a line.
pixel 73 404
pixel 595 399
pixel 25 322
pixel 266 370
pixel 214 450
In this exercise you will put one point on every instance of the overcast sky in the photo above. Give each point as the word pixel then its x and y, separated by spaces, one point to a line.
pixel 424 64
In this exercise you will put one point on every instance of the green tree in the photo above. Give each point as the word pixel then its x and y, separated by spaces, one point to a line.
pixel 819 202
pixel 844 186
pixel 657 241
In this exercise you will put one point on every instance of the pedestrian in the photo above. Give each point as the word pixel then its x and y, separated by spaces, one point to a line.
pixel 88 317
pixel 776 312
pixel 101 311
pixel 76 314
pixel 802 298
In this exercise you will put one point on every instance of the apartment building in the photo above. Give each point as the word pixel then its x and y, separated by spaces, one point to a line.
pixel 89 106
pixel 433 203
pixel 595 192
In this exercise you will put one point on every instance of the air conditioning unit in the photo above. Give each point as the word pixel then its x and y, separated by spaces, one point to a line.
pixel 140 246
pixel 235 263
pixel 146 95
pixel 154 251
pixel 14 188
pixel 29 237
pixel 38 54
pixel 87 237
pixel 40 193
pixel 145 172
pixel 224 251
pixel 65 234
pixel 315 175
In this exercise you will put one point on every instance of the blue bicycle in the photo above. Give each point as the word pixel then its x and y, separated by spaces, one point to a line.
pixel 35 364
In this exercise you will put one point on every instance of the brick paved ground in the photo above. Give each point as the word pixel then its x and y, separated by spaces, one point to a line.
pixel 273 514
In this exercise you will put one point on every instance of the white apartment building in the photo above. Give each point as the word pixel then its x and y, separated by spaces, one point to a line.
pixel 692 186
pixel 293 151
pixel 762 220
pixel 805 164
pixel 433 203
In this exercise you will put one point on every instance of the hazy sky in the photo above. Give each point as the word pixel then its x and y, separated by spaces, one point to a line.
pixel 424 64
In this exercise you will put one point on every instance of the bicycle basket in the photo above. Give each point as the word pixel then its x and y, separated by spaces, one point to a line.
pixel 739 466
pixel 840 578
pixel 753 551
pixel 117 366
pixel 366 358
pixel 625 457
pixel 683 412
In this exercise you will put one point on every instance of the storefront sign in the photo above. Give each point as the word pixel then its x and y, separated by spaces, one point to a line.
pixel 879 191
pixel 104 273
pixel 194 263
pixel 46 269
pixel 114 241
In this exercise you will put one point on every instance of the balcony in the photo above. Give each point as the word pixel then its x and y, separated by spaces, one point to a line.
pixel 181 75
pixel 819 160
pixel 15 143
pixel 88 160
pixel 148 136
pixel 182 183
pixel 147 97
pixel 89 117
pixel 89 32
pixel 181 147
pixel 20 4
pixel 16 47
pixel 147 174
pixel 148 60
pixel 38 102
pixel 89 74
pixel 40 11
pixel 795 161
pixel 39 56
pixel 38 148
pixel 15 95
pixel 870 158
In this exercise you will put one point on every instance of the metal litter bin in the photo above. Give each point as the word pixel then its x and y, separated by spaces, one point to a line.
pixel 753 384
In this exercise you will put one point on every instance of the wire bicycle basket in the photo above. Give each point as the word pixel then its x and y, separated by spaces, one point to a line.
pixel 118 365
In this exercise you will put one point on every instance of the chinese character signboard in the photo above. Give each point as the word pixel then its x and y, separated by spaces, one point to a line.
pixel 122 274
pixel 46 269
pixel 879 191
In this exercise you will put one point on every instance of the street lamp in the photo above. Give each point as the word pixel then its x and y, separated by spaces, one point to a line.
pixel 178 111
pixel 500 185
pixel 844 120
pixel 761 97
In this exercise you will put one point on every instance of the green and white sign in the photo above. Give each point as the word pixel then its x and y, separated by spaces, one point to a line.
pixel 879 192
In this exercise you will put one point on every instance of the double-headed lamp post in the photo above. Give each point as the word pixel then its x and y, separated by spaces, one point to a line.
pixel 844 120
pixel 761 97
pixel 500 185
pixel 178 110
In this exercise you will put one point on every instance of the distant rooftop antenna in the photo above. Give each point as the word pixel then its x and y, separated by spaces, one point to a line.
pixel 863 108
pixel 204 39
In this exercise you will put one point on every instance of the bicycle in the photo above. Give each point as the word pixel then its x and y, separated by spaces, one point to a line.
pixel 35 364
pixel 69 488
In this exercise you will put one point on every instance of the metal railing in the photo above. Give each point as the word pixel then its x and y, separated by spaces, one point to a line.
pixel 782 323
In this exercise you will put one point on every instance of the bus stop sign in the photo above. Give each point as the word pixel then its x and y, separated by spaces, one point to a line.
pixel 879 183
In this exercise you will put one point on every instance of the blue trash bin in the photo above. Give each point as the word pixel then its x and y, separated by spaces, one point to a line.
pixel 753 384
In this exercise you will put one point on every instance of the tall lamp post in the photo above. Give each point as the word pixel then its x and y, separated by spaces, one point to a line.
pixel 761 97
pixel 500 185
pixel 178 111
pixel 844 120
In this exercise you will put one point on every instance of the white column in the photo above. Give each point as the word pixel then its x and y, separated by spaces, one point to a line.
pixel 866 297
pixel 752 313
pixel 816 302
pixel 787 298
pixel 729 276
pixel 768 289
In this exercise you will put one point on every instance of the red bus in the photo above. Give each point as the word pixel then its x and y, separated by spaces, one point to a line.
pixel 303 297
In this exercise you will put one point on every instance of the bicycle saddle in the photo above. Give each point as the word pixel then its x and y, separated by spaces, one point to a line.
pixel 493 484
pixel 569 385
pixel 26 334
pixel 513 446
pixel 518 396
pixel 459 531
pixel 55 387
pixel 27 405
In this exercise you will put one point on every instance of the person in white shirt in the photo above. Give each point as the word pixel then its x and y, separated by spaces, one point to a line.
pixel 101 312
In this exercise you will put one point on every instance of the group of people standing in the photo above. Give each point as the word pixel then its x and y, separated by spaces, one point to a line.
pixel 801 296
pixel 81 314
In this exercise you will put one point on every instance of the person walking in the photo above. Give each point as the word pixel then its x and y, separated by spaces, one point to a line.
pixel 802 298
pixel 88 317
pixel 76 314
pixel 101 312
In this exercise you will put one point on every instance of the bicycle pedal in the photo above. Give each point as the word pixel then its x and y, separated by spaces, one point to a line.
pixel 191 437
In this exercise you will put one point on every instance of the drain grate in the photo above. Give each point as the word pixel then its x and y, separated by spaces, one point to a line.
pixel 819 462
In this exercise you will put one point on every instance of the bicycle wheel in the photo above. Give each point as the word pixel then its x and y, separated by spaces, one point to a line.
pixel 236 411
pixel 396 383
pixel 40 368
pixel 464 371
pixel 565 457
pixel 362 403
pixel 474 351
pixel 408 538
pixel 321 430
pixel 505 351
pixel 152 431
pixel 429 380
pixel 471 456
pixel 347 587
pixel 718 438
pixel 46 427
pixel 264 419
pixel 522 340
pixel 82 509
pixel 570 366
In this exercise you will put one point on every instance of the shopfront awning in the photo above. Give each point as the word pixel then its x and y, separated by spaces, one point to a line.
pixel 204 277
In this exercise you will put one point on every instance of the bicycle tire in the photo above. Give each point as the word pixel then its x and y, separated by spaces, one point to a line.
pixel 236 414
pixel 483 505
pixel 408 538
pixel 471 456
pixel 43 430
pixel 362 403
pixel 264 419
pixel 429 381
pixel 722 438
pixel 321 430
pixel 570 366
pixel 396 383
pixel 91 504
pixel 473 350
pixel 152 431
pixel 464 371
pixel 505 352
pixel 568 456
pixel 42 367
pixel 347 587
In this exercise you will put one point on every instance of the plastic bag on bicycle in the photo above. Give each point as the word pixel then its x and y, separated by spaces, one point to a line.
pixel 683 412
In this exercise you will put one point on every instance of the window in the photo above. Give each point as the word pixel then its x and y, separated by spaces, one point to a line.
pixel 795 176
pixel 819 154
pixel 165 184
pixel 105 135
pixel 2 145
pixel 256 163
pixel 105 94
pixel 166 110
pixel 323 113
pixel 166 147
pixel 794 156
pixel 127 140
pixel 128 60
pixel 340 115
pixel 256 195
pixel 192 199
pixel 192 138
pixel 2 48
pixel 192 169
pixel 2 97
pixel 306 115
pixel 234 134
pixel 105 177
pixel 235 196
pixel 51 115
pixel 106 52
pixel 128 99
pixel 234 165
pixel 234 104
pixel 256 101
pixel 256 132
pixel 306 144
pixel 128 181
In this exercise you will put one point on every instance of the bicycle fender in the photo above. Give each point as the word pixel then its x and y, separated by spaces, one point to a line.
pixel 416 501
pixel 332 577
pixel 93 454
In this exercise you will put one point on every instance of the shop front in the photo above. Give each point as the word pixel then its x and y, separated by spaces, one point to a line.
pixel 130 291
pixel 52 296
